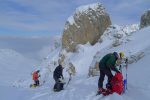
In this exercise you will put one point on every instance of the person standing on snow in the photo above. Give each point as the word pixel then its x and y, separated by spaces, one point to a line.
pixel 58 77
pixel 106 64
pixel 35 77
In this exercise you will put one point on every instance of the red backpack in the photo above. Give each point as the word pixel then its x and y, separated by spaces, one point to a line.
pixel 117 83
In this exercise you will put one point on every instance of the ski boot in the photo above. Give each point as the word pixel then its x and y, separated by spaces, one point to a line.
pixel 101 91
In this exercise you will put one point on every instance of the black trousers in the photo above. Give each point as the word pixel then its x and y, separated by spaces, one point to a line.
pixel 37 83
pixel 104 72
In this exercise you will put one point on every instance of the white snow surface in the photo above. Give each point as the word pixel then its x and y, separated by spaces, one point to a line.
pixel 81 87
pixel 97 7
pixel 14 66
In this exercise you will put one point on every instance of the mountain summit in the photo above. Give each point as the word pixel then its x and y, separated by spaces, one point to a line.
pixel 87 24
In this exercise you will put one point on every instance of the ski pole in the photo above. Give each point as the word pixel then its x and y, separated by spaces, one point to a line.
pixel 126 72
pixel 125 80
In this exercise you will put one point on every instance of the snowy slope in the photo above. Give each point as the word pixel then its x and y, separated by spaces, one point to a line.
pixel 84 88
pixel 15 69
pixel 81 87
pixel 14 66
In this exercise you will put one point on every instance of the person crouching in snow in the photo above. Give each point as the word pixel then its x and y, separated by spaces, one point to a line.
pixel 106 64
pixel 35 77
pixel 58 77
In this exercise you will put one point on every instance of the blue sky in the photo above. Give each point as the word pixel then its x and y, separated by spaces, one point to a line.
pixel 47 17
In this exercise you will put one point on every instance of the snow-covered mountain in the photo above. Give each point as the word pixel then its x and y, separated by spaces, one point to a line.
pixel 134 42
pixel 17 59
pixel 87 24
pixel 15 79
pixel 81 87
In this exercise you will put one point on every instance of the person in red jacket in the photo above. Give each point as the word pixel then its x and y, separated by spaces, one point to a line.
pixel 35 77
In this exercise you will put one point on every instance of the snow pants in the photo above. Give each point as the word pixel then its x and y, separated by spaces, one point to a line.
pixel 104 72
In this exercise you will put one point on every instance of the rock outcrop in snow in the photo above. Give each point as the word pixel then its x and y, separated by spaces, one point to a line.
pixel 117 33
pixel 145 19
pixel 86 25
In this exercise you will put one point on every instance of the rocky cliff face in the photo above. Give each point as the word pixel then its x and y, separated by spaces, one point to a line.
pixel 86 25
pixel 145 19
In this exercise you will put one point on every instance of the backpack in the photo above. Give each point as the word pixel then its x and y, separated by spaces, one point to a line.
pixel 117 83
